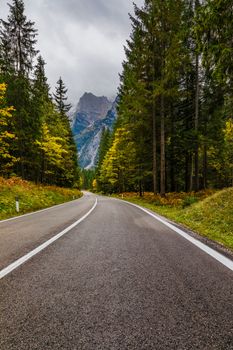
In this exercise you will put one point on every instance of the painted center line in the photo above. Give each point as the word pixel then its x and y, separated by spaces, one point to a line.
pixel 35 251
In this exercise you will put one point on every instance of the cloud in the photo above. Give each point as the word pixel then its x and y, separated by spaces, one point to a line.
pixel 82 41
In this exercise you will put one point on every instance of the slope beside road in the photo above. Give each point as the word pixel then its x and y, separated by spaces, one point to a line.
pixel 119 280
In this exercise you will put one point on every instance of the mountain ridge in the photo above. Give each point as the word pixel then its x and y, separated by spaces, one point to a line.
pixel 92 114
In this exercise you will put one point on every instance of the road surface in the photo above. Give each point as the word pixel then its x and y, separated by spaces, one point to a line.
pixel 118 280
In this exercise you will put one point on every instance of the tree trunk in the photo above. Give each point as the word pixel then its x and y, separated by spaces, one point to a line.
pixel 196 119
pixel 173 186
pixel 188 172
pixel 140 188
pixel 162 146
pixel 155 187
pixel 21 145
pixel 196 124
pixel 154 152
pixel 205 167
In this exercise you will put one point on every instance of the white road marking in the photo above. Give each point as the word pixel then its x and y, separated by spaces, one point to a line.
pixel 217 256
pixel 38 211
pixel 35 251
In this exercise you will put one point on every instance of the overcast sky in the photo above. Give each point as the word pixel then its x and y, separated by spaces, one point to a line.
pixel 81 40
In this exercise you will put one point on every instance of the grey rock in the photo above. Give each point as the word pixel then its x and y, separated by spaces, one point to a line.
pixel 91 116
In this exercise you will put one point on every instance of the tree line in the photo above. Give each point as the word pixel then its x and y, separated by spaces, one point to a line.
pixel 174 130
pixel 36 141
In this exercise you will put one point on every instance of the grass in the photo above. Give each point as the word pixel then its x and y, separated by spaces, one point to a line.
pixel 31 197
pixel 209 213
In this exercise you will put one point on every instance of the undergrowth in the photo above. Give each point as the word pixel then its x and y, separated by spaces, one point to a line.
pixel 31 197
pixel 210 213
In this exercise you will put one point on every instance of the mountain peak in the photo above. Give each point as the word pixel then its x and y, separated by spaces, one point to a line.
pixel 94 107
pixel 91 95
pixel 93 113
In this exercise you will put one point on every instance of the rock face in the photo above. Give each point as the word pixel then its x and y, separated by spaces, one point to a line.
pixel 91 116
pixel 93 107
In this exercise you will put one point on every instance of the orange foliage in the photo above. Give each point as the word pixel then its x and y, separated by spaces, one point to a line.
pixel 171 199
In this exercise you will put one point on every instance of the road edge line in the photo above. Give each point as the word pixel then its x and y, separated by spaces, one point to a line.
pixel 5 271
pixel 39 211
pixel 210 251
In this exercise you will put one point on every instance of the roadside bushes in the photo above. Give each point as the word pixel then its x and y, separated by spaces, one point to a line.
pixel 31 197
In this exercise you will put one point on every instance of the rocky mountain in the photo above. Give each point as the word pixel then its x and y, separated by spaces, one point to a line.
pixel 92 114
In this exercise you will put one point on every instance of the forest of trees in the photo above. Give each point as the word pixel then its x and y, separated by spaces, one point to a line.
pixel 175 129
pixel 36 141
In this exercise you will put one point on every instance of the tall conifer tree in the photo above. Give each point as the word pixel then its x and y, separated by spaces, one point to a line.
pixel 61 98
pixel 18 39
pixel 17 43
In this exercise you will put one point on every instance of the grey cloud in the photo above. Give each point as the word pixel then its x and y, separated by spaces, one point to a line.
pixel 94 12
pixel 81 40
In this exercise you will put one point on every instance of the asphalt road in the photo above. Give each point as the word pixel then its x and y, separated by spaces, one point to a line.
pixel 118 280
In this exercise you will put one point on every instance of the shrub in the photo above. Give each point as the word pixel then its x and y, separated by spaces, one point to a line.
pixel 189 201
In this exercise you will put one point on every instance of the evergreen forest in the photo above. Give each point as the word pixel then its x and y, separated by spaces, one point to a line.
pixel 36 141
pixel 174 130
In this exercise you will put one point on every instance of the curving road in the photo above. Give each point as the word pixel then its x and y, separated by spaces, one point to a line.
pixel 118 280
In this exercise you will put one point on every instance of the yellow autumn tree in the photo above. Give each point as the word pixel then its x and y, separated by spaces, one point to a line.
pixel 117 167
pixel 52 153
pixel 229 150
pixel 94 185
pixel 7 137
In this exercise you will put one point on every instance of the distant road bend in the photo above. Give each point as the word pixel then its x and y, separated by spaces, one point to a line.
pixel 104 274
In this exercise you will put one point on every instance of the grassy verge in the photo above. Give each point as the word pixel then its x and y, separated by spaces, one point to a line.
pixel 209 213
pixel 31 197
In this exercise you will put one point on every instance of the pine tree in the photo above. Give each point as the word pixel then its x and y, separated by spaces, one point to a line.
pixel 61 98
pixel 214 39
pixel 175 100
pixel 41 112
pixel 71 175
pixel 18 39
pixel 134 104
pixel 40 81
pixel 103 148
pixel 43 143
pixel 87 179
pixel 17 43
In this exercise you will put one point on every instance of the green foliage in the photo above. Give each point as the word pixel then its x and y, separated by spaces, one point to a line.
pixel 214 35
pixel 117 168
pixel 70 172
pixel 61 98
pixel 87 179
pixel 210 215
pixel 43 149
pixel 175 101
pixel 18 39
pixel 189 201
pixel 31 197
pixel 105 143
pixel 6 136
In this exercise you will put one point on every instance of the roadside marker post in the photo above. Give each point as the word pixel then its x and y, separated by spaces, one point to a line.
pixel 17 204
pixel 44 245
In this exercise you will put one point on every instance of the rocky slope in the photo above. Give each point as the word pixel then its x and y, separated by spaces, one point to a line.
pixel 91 116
